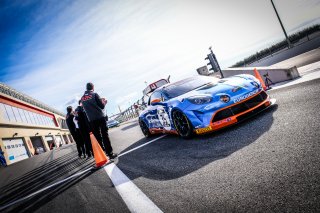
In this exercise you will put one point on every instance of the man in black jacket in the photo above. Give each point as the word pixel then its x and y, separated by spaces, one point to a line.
pixel 93 105
pixel 72 128
pixel 84 127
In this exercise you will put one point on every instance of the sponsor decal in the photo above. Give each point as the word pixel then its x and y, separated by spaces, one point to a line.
pixel 224 98
pixel 153 121
pixel 222 121
pixel 164 118
pixel 241 98
pixel 86 97
pixel 203 130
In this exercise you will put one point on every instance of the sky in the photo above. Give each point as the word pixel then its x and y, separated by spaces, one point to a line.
pixel 50 49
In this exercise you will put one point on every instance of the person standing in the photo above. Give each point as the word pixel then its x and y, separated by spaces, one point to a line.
pixel 84 128
pixel 2 159
pixel 93 105
pixel 73 130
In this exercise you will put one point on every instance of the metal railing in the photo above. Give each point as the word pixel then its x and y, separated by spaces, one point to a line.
pixel 132 112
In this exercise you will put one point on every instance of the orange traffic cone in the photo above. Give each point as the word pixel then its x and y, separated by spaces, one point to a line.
pixel 99 155
pixel 258 76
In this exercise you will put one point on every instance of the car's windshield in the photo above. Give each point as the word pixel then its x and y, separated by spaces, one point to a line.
pixel 184 86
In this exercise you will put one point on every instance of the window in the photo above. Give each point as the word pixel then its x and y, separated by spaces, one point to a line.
pixel 22 115
pixel 37 118
pixel 41 119
pixel 29 116
pixel 34 121
pixel 17 114
pixel 11 116
pixel 52 122
pixel 186 85
pixel 154 97
pixel 26 115
pixel 44 120
pixel 48 121
pixel 4 112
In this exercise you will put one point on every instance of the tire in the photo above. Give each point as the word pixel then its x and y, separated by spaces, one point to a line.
pixel 182 124
pixel 144 128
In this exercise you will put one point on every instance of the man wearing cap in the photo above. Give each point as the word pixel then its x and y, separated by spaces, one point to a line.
pixel 93 105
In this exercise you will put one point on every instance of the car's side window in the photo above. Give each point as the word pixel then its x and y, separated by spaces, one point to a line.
pixel 155 97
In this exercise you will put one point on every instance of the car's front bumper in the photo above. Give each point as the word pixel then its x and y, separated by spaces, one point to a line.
pixel 236 114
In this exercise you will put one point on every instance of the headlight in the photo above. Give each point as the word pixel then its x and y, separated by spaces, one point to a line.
pixel 200 99
pixel 224 98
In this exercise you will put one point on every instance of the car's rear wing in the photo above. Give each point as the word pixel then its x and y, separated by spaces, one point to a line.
pixel 152 87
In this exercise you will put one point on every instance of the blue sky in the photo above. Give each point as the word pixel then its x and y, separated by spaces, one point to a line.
pixel 50 49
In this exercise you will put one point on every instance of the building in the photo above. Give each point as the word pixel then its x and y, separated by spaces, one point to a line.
pixel 29 127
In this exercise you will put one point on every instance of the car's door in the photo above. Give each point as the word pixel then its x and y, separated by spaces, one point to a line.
pixel 158 101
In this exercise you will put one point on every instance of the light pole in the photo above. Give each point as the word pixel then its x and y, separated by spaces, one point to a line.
pixel 284 31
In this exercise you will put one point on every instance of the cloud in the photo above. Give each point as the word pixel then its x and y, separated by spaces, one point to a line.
pixel 118 45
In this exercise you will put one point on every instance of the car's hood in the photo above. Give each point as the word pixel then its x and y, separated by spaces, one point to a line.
pixel 237 88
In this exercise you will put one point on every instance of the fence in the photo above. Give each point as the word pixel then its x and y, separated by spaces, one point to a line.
pixel 295 39
pixel 131 112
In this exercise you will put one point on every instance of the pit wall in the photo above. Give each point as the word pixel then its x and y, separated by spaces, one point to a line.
pixel 276 75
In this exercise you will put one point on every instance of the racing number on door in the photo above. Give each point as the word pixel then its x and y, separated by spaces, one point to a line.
pixel 164 118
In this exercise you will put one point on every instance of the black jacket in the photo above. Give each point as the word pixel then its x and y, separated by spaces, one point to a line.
pixel 92 105
pixel 70 123
pixel 82 119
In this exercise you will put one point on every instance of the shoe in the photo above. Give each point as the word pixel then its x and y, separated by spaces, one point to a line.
pixel 89 155
pixel 112 155
pixel 79 155
pixel 84 156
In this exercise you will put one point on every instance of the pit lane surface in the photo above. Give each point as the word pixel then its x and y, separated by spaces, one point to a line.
pixel 269 163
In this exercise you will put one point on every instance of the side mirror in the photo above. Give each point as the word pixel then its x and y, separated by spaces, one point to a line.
pixel 157 102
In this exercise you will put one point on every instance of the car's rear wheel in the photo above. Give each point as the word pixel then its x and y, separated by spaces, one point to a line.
pixel 182 124
pixel 144 128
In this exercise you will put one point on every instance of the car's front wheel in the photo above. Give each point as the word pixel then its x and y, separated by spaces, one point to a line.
pixel 182 124
pixel 144 128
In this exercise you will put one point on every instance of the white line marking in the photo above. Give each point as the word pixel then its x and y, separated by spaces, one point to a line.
pixel 134 198
pixel 45 188
pixel 138 147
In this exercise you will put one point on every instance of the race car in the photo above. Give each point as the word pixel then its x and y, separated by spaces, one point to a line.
pixel 202 104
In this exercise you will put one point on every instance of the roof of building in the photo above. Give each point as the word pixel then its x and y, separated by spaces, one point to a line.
pixel 5 89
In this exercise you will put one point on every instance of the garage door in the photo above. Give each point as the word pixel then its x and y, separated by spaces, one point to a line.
pixel 50 142
pixel 59 140
pixel 15 149
pixel 37 145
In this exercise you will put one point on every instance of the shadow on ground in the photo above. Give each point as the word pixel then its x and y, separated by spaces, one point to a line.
pixel 130 126
pixel 173 157
pixel 41 177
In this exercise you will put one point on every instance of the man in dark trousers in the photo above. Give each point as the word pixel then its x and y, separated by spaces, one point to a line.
pixel 93 105
pixel 84 127
pixel 72 128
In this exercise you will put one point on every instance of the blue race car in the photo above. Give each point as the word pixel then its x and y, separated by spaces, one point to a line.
pixel 202 104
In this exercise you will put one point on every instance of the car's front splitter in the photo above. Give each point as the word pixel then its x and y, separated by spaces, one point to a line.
pixel 214 126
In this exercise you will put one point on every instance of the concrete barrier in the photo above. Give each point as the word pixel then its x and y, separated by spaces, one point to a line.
pixel 276 75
